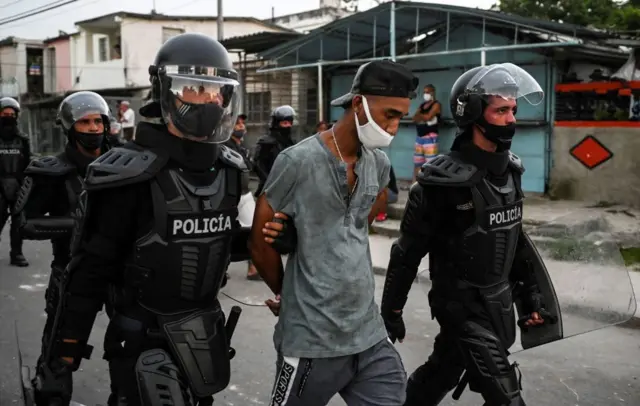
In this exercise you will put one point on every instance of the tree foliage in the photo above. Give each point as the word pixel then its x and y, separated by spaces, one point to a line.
pixel 607 14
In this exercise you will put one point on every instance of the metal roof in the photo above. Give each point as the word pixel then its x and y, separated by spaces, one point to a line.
pixel 259 41
pixel 329 43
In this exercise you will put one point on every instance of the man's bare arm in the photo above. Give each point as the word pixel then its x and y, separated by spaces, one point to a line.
pixel 266 260
pixel 379 205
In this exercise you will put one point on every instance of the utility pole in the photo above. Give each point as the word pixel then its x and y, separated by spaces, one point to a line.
pixel 220 22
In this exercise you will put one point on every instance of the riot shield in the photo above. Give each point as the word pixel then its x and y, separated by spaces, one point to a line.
pixel 24 374
pixel 580 270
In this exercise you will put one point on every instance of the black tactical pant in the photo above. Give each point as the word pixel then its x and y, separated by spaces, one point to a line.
pixel 6 212
pixel 467 342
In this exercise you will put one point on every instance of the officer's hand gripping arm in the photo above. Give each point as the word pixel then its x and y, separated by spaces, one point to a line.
pixel 281 233
pixel 406 253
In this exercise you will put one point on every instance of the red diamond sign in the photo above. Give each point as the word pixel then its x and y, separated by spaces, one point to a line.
pixel 590 152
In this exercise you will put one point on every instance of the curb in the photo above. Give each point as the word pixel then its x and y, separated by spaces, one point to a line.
pixel 573 308
pixel 387 228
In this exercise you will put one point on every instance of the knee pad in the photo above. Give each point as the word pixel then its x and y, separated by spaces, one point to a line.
pixel 490 372
pixel 159 380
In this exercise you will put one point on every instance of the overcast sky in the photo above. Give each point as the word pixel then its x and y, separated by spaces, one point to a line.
pixel 47 24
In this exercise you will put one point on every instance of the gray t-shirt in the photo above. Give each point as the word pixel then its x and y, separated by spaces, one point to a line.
pixel 327 302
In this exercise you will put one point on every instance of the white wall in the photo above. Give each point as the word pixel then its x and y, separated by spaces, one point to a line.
pixel 13 69
pixel 93 76
pixel 140 41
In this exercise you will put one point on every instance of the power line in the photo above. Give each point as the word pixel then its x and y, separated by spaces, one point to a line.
pixel 11 4
pixel 88 66
pixel 36 11
pixel 93 2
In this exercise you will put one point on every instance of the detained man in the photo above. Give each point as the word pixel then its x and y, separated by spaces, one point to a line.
pixel 330 337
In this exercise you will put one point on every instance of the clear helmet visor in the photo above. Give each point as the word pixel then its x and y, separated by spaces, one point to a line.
pixel 508 81
pixel 202 108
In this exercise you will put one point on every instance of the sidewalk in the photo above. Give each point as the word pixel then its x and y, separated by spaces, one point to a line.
pixel 565 279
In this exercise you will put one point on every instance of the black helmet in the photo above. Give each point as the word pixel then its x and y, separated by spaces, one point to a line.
pixel 78 105
pixel 196 86
pixel 468 97
pixel 282 113
pixel 9 102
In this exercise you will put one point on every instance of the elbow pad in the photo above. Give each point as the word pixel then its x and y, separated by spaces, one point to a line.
pixel 47 228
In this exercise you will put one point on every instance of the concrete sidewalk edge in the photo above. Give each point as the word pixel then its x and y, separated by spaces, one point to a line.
pixel 579 309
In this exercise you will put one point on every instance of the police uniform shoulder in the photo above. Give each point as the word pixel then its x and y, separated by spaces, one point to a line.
pixel 267 139
pixel 448 170
pixel 49 166
pixel 123 166
pixel 233 158
pixel 516 163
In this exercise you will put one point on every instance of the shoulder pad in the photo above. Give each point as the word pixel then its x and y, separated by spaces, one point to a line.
pixel 516 163
pixel 233 158
pixel 122 166
pixel 48 165
pixel 448 170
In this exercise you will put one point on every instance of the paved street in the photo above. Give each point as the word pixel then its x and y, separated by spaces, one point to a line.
pixel 600 368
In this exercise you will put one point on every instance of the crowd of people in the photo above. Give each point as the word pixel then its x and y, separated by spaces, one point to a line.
pixel 148 227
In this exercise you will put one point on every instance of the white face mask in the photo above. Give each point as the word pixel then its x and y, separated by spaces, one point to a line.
pixel 427 97
pixel 370 134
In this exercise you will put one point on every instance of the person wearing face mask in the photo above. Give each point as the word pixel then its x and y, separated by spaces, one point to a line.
pixel 158 230
pixel 327 189
pixel 15 154
pixel 270 145
pixel 48 200
pixel 465 211
pixel 427 119
pixel 247 204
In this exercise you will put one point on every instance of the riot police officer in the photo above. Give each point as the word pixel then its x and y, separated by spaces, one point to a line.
pixel 49 196
pixel 15 154
pixel 466 211
pixel 271 144
pixel 159 225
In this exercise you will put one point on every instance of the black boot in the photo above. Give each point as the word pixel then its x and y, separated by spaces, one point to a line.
pixel 19 260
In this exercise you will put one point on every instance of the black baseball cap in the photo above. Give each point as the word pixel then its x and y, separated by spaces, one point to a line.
pixel 381 78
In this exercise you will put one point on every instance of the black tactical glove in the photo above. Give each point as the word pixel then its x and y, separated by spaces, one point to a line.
pixel 394 324
pixel 287 239
pixel 532 302
pixel 53 384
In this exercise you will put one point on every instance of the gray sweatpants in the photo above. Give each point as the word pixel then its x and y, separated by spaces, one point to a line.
pixel 374 377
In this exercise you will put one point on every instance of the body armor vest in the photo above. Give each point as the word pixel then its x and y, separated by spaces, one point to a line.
pixel 180 263
pixel 480 257
pixel 12 159
pixel 486 249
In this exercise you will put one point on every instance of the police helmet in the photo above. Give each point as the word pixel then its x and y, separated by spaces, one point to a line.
pixel 81 104
pixel 196 86
pixel 9 102
pixel 282 113
pixel 470 92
